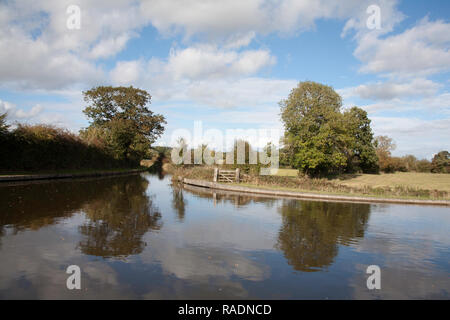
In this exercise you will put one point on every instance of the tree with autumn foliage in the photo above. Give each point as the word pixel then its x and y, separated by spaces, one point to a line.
pixel 121 121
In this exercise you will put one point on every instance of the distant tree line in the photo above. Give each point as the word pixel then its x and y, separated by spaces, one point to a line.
pixel 120 134
pixel 387 163
pixel 243 156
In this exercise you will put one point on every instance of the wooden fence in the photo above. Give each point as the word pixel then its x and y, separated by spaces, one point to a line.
pixel 226 175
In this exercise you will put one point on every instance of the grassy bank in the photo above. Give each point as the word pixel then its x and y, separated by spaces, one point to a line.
pixel 364 185
pixel 419 180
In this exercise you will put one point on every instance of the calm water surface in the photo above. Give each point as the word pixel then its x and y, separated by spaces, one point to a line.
pixel 139 237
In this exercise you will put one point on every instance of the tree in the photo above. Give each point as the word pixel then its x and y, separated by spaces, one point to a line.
pixel 286 152
pixel 362 155
pixel 410 162
pixel 383 147
pixel 245 157
pixel 3 126
pixel 423 165
pixel 441 162
pixel 123 120
pixel 315 128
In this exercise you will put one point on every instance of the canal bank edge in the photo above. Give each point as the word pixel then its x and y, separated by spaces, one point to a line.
pixel 302 195
pixel 51 176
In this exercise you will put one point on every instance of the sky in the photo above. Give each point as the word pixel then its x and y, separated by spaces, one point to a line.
pixel 229 63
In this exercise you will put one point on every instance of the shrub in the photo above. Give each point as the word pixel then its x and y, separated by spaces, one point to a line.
pixel 423 165
pixel 441 162
pixel 45 147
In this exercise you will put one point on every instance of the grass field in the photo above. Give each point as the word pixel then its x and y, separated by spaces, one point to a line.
pixel 418 180
pixel 427 181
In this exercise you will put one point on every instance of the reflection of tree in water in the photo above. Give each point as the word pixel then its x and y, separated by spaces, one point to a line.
pixel 178 201
pixel 238 199
pixel 119 219
pixel 311 231
pixel 35 205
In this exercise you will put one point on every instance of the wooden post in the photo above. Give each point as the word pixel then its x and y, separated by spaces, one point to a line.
pixel 216 174
pixel 237 175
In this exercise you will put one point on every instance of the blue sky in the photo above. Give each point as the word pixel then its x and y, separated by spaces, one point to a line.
pixel 228 63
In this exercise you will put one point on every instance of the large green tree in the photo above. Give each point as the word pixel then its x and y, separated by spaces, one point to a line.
pixel 320 138
pixel 362 154
pixel 314 128
pixel 121 120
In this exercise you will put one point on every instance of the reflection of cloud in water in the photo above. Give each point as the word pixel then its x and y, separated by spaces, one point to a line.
pixel 222 288
pixel 402 283
pixel 411 250
pixel 39 272
pixel 210 269
pixel 223 232
pixel 199 263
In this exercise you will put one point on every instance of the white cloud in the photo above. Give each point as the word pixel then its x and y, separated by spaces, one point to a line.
pixel 420 137
pixel 13 113
pixel 421 50
pixel 110 46
pixel 390 89
pixel 225 19
pixel 206 75
pixel 209 62
pixel 239 40
pixel 127 72
pixel 61 114
pixel 256 93
pixel 438 105
pixel 37 50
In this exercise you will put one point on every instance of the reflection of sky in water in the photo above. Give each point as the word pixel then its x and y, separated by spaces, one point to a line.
pixel 134 239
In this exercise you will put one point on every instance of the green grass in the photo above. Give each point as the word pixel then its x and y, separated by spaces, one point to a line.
pixel 336 193
pixel 286 172
pixel 416 180
pixel 428 181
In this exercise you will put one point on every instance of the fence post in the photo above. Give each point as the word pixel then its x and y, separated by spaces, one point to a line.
pixel 237 175
pixel 216 174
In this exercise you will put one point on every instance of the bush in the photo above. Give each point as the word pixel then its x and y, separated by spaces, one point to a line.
pixel 441 162
pixel 45 147
pixel 407 163
pixel 423 165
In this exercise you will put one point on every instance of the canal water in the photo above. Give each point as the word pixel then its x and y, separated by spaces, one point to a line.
pixel 139 237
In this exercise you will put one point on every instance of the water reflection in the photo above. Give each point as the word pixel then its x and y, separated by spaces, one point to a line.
pixel 240 200
pixel 197 243
pixel 118 211
pixel 311 231
pixel 178 202
pixel 35 205
pixel 118 220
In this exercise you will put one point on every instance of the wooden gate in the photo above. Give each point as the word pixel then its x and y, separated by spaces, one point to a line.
pixel 226 175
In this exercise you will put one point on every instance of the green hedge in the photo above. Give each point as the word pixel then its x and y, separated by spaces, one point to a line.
pixel 43 147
